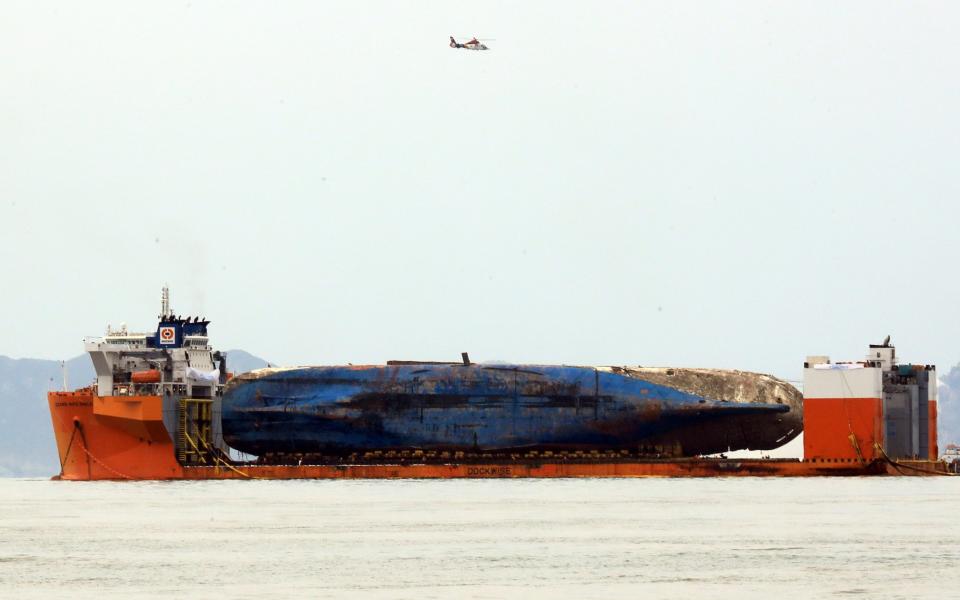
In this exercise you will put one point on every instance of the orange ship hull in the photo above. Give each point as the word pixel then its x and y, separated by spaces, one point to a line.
pixel 123 438
pixel 111 437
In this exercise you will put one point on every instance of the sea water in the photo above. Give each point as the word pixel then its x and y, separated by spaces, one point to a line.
pixel 497 538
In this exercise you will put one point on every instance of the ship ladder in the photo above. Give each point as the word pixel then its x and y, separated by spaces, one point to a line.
pixel 198 446
pixel 194 430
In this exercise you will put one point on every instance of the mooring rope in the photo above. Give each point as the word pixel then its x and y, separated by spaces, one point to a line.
pixel 897 465
pixel 66 455
pixel 214 453
pixel 83 446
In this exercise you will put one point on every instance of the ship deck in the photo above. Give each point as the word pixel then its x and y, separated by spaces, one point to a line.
pixel 694 467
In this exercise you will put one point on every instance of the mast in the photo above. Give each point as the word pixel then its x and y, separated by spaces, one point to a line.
pixel 165 302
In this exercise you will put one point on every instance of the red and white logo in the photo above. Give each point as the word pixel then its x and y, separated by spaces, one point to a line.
pixel 168 335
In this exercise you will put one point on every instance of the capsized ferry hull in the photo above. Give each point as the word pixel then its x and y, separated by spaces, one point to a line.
pixel 344 410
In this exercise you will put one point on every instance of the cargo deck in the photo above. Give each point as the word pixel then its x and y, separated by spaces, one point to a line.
pixel 660 468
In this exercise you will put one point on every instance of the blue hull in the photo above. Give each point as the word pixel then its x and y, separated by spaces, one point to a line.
pixel 342 410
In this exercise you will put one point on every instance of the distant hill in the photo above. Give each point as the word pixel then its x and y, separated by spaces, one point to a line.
pixel 27 447
pixel 239 361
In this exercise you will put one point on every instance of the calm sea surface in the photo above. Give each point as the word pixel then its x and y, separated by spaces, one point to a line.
pixel 656 538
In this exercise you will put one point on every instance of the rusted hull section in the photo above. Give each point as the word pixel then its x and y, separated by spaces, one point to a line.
pixel 347 410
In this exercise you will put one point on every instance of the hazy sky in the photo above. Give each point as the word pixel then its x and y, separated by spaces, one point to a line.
pixel 702 184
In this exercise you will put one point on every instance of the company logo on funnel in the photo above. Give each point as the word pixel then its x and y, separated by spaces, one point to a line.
pixel 168 335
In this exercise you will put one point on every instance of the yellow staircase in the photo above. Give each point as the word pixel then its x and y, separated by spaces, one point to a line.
pixel 194 434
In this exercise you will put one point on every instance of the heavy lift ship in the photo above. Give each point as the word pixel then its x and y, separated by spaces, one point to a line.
pixel 164 407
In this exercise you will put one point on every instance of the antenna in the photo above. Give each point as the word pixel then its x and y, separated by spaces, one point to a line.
pixel 63 367
pixel 165 302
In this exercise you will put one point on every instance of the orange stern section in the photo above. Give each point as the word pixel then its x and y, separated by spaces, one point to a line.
pixel 842 428
pixel 112 437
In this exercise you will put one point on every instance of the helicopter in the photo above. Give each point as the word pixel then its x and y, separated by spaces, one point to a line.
pixel 473 44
